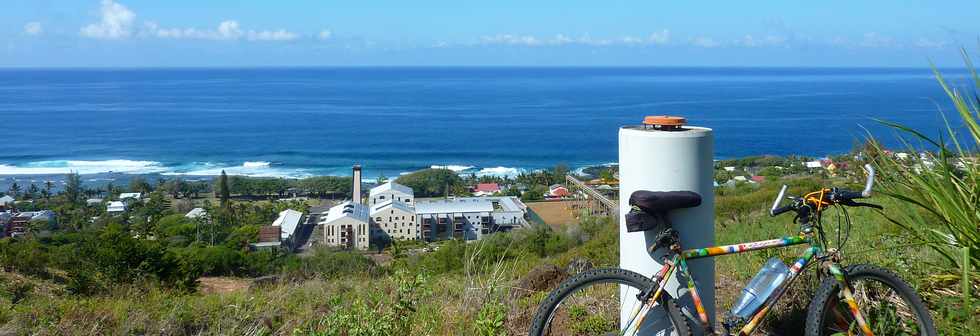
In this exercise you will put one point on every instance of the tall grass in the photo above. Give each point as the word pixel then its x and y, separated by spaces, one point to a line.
pixel 941 185
pixel 941 190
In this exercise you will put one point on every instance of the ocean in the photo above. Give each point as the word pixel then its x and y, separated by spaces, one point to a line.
pixel 297 122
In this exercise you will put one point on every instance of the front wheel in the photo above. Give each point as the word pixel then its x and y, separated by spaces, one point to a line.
pixel 887 303
pixel 588 304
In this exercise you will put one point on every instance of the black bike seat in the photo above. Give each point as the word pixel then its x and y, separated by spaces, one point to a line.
pixel 656 202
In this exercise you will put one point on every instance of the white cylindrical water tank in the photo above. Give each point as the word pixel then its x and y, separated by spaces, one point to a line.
pixel 675 158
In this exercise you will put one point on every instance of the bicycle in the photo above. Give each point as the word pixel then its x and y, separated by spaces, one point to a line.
pixel 858 299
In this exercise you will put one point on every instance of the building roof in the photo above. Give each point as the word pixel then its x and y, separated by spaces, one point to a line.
pixel 116 206
pixel 319 209
pixel 133 195
pixel 345 210
pixel 813 164
pixel 392 186
pixel 195 213
pixel 511 203
pixel 456 205
pixel 6 199
pixel 487 187
pixel 391 203
pixel 288 220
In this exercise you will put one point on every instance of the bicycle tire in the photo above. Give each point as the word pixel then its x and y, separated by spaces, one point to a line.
pixel 540 323
pixel 817 312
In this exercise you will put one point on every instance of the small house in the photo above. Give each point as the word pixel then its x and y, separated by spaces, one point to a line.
pixel 115 208
pixel 7 201
pixel 195 213
pixel 133 196
pixel 558 191
pixel 486 189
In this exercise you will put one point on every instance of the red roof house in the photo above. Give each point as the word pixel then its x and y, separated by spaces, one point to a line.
pixel 486 189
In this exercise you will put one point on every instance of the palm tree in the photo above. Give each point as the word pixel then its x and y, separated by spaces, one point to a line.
pixel 14 189
pixel 32 190
pixel 48 185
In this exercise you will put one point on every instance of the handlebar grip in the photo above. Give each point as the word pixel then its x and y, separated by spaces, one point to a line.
pixel 870 182
pixel 778 211
pixel 845 194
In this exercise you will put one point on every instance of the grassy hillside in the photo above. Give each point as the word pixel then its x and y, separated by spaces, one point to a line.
pixel 485 288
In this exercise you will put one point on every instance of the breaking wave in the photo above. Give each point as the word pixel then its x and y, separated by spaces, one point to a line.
pixel 52 167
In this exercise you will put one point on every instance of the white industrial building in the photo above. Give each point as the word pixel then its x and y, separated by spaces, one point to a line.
pixel 468 218
pixel 393 220
pixel 391 191
pixel 288 221
pixel 347 225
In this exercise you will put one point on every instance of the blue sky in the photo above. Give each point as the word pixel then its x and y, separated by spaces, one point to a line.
pixel 138 33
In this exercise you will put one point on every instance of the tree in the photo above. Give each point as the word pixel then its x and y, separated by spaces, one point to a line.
pixel 73 187
pixel 223 192
pixel 558 174
pixel 32 191
pixel 431 182
pixel 139 184
pixel 48 185
pixel 14 189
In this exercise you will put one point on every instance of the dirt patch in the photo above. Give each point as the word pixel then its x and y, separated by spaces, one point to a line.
pixel 382 259
pixel 555 214
pixel 543 278
pixel 222 285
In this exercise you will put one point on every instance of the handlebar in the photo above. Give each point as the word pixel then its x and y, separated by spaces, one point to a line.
pixel 870 181
pixel 848 196
pixel 776 210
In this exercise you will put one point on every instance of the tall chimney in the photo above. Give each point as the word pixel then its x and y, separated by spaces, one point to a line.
pixel 356 194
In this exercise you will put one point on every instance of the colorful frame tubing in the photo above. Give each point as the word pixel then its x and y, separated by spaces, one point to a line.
pixel 679 263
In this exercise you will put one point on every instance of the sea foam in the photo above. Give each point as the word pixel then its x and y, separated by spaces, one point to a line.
pixel 52 167
pixel 455 168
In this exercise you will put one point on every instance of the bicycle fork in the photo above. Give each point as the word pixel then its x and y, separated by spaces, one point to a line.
pixel 849 299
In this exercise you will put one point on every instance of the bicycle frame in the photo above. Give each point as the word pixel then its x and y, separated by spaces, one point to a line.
pixel 679 263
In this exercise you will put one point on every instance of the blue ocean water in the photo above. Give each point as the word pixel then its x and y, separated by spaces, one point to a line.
pixel 319 121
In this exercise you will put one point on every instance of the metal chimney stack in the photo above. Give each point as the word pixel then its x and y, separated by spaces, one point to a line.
pixel 356 190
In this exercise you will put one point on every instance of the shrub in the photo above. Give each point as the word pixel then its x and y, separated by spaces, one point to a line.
pixel 326 263
pixel 941 186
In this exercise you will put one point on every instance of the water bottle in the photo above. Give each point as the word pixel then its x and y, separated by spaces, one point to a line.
pixel 760 288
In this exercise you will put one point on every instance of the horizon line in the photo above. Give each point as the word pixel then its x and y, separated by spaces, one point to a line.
pixel 487 66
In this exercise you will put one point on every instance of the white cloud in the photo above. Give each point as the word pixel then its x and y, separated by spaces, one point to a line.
pixel 930 44
pixel 115 23
pixel 325 34
pixel 229 30
pixel 266 35
pixel 705 42
pixel 875 40
pixel 657 38
pixel 767 41
pixel 661 37
pixel 511 40
pixel 226 31
pixel 33 28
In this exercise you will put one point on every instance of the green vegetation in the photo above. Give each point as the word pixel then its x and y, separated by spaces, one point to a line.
pixel 137 273
pixel 941 188
pixel 433 183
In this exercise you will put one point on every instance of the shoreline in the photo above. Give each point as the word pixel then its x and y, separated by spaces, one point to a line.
pixel 118 171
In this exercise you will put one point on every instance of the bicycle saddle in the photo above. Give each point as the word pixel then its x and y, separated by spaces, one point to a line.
pixel 649 208
pixel 654 202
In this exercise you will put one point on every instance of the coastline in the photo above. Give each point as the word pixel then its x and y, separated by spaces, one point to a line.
pixel 121 171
